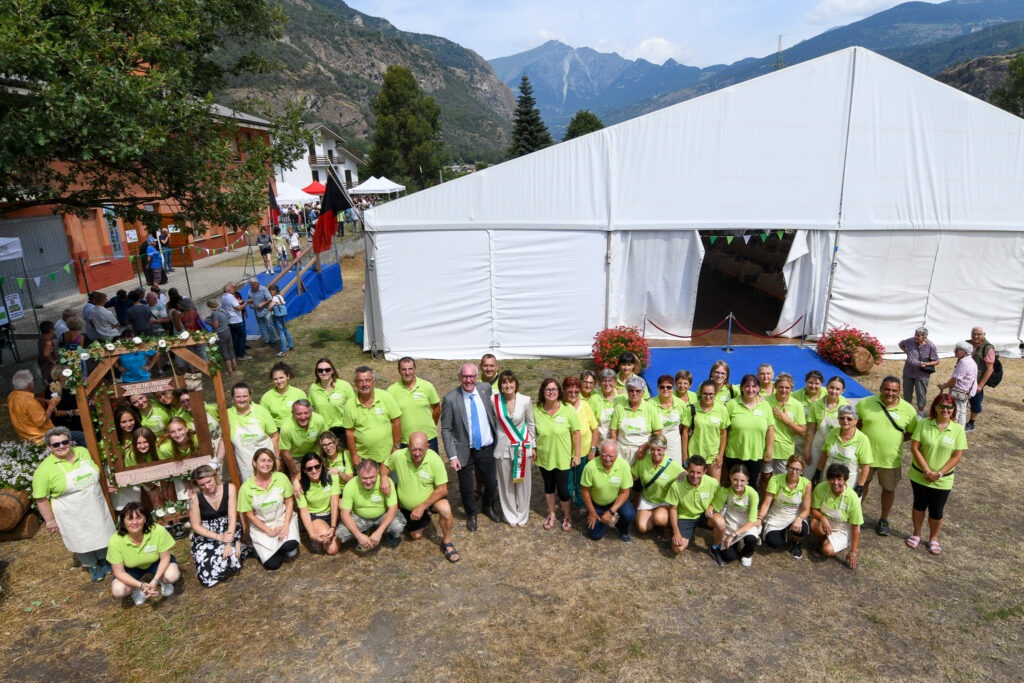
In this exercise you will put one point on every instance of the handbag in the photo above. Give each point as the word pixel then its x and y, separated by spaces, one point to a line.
pixel 280 310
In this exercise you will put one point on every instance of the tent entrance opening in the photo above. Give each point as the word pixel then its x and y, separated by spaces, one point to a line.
pixel 742 275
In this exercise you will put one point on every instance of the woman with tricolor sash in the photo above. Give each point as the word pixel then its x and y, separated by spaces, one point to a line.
pixel 513 448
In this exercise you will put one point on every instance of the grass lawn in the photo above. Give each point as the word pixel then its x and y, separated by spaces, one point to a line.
pixel 530 604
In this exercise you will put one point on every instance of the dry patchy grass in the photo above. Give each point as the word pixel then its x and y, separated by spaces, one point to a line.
pixel 529 604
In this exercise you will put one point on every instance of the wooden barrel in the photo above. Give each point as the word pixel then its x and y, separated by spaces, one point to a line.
pixel 14 505
pixel 24 529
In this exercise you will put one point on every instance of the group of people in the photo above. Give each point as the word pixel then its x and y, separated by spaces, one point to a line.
pixel 755 463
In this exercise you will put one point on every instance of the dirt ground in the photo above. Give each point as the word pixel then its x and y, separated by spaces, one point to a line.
pixel 530 604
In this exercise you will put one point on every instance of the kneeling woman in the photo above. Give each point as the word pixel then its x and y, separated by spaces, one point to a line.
pixel 735 527
pixel 216 534
pixel 266 503
pixel 655 473
pixel 318 504
pixel 836 514
pixel 140 549
pixel 786 507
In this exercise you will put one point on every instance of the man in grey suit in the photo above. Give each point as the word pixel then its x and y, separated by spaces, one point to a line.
pixel 468 428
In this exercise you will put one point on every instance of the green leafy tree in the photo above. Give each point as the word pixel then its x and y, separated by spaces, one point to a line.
pixel 1009 95
pixel 108 103
pixel 583 122
pixel 528 130
pixel 407 144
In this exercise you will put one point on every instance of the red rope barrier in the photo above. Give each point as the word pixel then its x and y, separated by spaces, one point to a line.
pixel 766 336
pixel 690 336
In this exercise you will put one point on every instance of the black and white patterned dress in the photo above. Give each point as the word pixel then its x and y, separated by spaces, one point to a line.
pixel 208 554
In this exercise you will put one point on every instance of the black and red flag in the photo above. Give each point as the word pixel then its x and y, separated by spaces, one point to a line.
pixel 275 210
pixel 333 204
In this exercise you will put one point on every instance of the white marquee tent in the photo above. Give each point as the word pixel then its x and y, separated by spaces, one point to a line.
pixel 289 194
pixel 375 185
pixel 904 195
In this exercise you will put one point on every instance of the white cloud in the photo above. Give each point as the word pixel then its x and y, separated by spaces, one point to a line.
pixel 658 50
pixel 546 35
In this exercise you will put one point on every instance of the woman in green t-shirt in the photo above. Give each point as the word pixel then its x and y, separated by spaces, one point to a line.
pixel 937 446
pixel 735 526
pixel 140 549
pixel 317 500
pixel 786 507
pixel 558 447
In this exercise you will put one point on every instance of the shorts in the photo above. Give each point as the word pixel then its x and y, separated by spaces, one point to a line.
pixel 687 527
pixel 778 466
pixel 416 524
pixel 264 251
pixel 138 573
pixel 647 504
pixel 888 477
pixel 975 402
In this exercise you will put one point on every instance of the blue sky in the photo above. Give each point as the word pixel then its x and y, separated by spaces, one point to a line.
pixel 694 32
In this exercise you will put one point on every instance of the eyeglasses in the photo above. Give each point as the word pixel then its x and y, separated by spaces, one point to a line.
pixel 845 419
pixel 468 376
pixel 313 468
pixel 944 406
pixel 552 389
pixel 707 393
pixel 60 444
pixel 666 386
pixel 634 391
pixel 798 470
pixel 327 370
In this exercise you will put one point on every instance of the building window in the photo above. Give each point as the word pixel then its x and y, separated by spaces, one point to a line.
pixel 316 176
pixel 116 247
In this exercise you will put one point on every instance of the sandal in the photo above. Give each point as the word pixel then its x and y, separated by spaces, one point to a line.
pixel 934 548
pixel 913 541
pixel 566 525
pixel 549 523
pixel 450 553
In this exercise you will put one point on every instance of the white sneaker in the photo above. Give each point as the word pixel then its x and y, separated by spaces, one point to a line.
pixel 138 597
pixel 166 589
pixel 746 561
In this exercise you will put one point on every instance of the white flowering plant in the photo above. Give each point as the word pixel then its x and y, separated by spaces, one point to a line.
pixel 18 462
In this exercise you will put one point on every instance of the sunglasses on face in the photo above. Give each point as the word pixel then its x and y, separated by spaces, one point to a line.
pixel 60 444
pixel 327 370
pixel 945 407
pixel 313 468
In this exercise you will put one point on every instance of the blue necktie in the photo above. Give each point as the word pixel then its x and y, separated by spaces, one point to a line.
pixel 475 424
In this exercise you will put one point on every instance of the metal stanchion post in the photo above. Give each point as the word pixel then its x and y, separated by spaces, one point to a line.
pixel 728 336
pixel 803 331
pixel 85 278
pixel 188 285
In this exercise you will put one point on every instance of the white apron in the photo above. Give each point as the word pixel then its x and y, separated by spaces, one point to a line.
pixel 670 430
pixel 827 424
pixel 633 433
pixel 81 511
pixel 844 454
pixel 783 511
pixel 247 437
pixel 269 507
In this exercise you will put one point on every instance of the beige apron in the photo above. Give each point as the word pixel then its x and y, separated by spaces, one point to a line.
pixel 844 454
pixel 670 430
pixel 269 507
pixel 827 424
pixel 81 511
pixel 247 437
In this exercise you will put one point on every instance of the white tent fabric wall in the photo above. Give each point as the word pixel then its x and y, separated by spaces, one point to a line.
pixel 669 263
pixel 917 185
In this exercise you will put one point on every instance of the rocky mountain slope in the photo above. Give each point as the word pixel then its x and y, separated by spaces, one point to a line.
pixel 334 59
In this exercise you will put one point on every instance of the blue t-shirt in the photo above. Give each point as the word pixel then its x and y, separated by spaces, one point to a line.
pixel 155 259
pixel 134 364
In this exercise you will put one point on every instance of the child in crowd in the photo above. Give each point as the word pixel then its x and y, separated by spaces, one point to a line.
pixel 279 314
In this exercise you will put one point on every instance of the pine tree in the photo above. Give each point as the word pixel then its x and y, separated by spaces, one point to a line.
pixel 407 144
pixel 528 130
pixel 583 122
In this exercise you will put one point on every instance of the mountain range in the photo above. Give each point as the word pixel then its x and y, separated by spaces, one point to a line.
pixel 927 37
pixel 333 58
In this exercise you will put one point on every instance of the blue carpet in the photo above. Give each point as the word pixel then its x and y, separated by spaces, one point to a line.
pixel 319 286
pixel 745 359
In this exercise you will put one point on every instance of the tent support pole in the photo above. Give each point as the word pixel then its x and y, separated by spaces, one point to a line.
pixel 607 279
pixel 728 335
pixel 831 279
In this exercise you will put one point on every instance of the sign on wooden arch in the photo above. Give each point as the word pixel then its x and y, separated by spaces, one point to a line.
pixel 99 394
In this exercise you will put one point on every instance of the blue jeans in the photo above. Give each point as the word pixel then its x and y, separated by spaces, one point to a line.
pixel 281 325
pixel 266 329
pixel 627 514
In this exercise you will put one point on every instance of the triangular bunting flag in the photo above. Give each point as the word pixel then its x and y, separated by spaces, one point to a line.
pixel 36 280
pixel 2 279
pixel 713 238
pixel 780 234
pixel 67 268
pixel 764 237
pixel 746 239
pixel 729 239
pixel 53 277
pixel 21 281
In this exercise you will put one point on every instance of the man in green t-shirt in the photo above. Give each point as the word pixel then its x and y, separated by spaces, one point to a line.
pixel 888 421
pixel 419 402
pixel 422 488
pixel 300 435
pixel 689 499
pixel 365 508
pixel 605 486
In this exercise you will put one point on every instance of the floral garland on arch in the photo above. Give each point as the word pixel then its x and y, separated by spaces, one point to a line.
pixel 74 361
